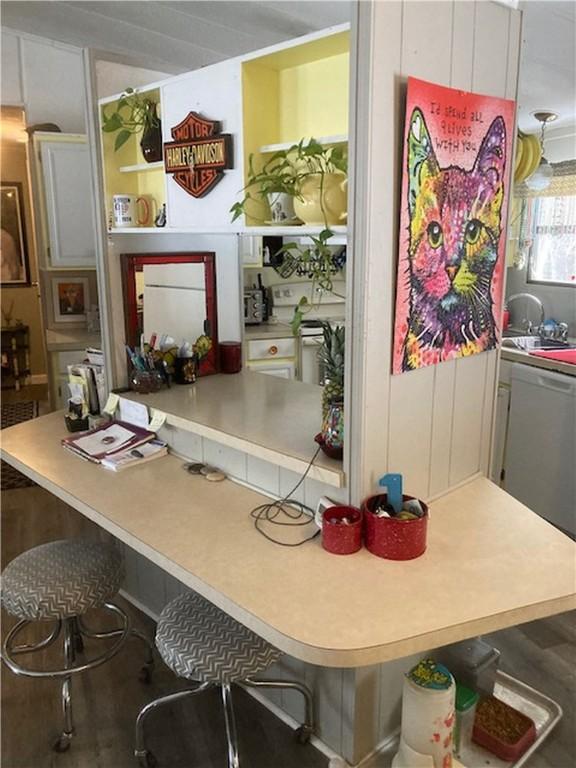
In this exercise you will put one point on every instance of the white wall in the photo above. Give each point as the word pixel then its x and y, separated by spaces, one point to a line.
pixel 112 77
pixel 46 77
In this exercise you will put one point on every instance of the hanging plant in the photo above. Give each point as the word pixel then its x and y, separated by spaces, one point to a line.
pixel 133 113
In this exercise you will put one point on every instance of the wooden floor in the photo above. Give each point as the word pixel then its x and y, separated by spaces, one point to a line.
pixel 191 734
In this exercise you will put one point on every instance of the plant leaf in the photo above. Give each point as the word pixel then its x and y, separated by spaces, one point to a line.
pixel 121 139
pixel 112 123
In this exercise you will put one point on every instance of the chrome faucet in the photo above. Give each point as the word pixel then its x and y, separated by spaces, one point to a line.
pixel 529 327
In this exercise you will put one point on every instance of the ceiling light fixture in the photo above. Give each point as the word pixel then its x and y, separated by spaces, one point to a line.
pixel 542 176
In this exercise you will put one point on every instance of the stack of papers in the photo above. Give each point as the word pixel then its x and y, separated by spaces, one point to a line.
pixel 107 440
pixel 128 458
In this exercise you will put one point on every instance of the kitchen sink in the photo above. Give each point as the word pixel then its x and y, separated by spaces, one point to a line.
pixel 528 343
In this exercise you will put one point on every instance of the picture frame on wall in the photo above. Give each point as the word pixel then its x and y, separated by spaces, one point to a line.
pixel 70 299
pixel 14 264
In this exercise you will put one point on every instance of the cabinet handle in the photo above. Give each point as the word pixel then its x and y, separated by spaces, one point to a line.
pixel 273 350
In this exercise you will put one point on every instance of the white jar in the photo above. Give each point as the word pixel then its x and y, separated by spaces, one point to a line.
pixel 428 716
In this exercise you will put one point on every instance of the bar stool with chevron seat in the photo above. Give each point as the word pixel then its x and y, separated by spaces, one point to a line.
pixel 59 582
pixel 201 643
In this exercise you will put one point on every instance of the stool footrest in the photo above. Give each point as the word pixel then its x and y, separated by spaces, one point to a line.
pixel 10 650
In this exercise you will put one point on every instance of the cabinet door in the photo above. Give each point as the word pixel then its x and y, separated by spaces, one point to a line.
pixel 68 195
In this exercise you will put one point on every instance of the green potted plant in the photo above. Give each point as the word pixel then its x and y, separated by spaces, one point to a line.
pixel 275 182
pixel 313 175
pixel 331 358
pixel 135 113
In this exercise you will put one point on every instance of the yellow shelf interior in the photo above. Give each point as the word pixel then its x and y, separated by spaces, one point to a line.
pixel 148 183
pixel 300 92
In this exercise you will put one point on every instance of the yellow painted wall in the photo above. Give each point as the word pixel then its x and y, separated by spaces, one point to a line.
pixel 297 93
pixel 26 304
pixel 148 183
pixel 313 99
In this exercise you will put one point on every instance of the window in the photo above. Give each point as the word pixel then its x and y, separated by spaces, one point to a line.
pixel 550 227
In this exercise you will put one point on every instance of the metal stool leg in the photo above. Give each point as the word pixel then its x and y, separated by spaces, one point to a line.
pixel 146 758
pixel 233 760
pixel 304 732
pixel 146 671
pixel 63 742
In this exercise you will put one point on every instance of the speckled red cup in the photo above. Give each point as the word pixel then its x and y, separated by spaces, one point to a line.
pixel 390 538
pixel 338 537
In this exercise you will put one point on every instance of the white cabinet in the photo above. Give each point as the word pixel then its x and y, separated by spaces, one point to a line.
pixel 67 217
pixel 274 356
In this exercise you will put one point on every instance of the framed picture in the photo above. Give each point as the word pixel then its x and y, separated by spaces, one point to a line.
pixel 14 266
pixel 71 299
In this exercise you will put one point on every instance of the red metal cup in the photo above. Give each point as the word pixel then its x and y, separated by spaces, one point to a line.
pixel 339 537
pixel 391 538
pixel 230 356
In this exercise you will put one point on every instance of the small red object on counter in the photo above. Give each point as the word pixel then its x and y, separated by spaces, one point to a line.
pixel 342 530
pixel 230 356
pixel 391 537
pixel 503 730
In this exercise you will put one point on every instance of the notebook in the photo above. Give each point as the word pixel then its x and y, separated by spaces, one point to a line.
pixel 107 440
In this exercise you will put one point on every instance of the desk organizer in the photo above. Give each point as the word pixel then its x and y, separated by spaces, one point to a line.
pixel 338 537
pixel 391 538
pixel 145 382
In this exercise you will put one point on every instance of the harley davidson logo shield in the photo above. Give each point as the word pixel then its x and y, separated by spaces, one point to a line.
pixel 198 155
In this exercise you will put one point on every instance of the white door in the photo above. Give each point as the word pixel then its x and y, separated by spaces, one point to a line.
pixel 68 196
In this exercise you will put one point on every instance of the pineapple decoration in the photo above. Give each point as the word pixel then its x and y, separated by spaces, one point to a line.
pixel 331 357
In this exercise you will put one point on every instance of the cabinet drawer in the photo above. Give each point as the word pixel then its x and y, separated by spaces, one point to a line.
pixel 268 349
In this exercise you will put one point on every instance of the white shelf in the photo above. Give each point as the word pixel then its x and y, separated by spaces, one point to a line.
pixel 340 138
pixel 339 237
pixel 141 167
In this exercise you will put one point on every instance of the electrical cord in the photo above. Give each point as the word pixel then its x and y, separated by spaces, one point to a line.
pixel 292 509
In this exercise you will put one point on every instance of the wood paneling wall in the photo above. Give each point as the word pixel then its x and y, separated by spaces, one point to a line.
pixel 434 425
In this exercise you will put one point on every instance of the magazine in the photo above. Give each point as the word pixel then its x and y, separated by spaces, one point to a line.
pixel 107 440
pixel 131 457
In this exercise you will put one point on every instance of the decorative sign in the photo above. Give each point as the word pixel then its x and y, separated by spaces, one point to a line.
pixel 198 155
pixel 457 159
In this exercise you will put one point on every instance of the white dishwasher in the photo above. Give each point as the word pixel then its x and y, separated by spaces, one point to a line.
pixel 540 463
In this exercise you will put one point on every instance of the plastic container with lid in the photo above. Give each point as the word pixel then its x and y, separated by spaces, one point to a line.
pixel 503 730
pixel 466 701
pixel 473 663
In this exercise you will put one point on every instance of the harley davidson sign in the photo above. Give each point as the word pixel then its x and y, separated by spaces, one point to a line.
pixel 198 155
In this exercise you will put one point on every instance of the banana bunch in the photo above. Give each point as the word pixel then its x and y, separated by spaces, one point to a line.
pixel 528 155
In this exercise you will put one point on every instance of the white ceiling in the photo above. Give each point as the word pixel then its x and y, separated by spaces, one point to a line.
pixel 548 64
pixel 172 37
pixel 176 37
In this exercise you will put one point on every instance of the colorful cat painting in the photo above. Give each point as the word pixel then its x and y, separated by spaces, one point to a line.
pixel 454 233
pixel 454 225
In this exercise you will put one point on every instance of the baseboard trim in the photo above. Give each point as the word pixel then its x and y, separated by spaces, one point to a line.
pixel 334 759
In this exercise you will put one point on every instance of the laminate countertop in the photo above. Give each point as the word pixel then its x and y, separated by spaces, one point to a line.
pixel 490 563
pixel 267 417
pixel 519 356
